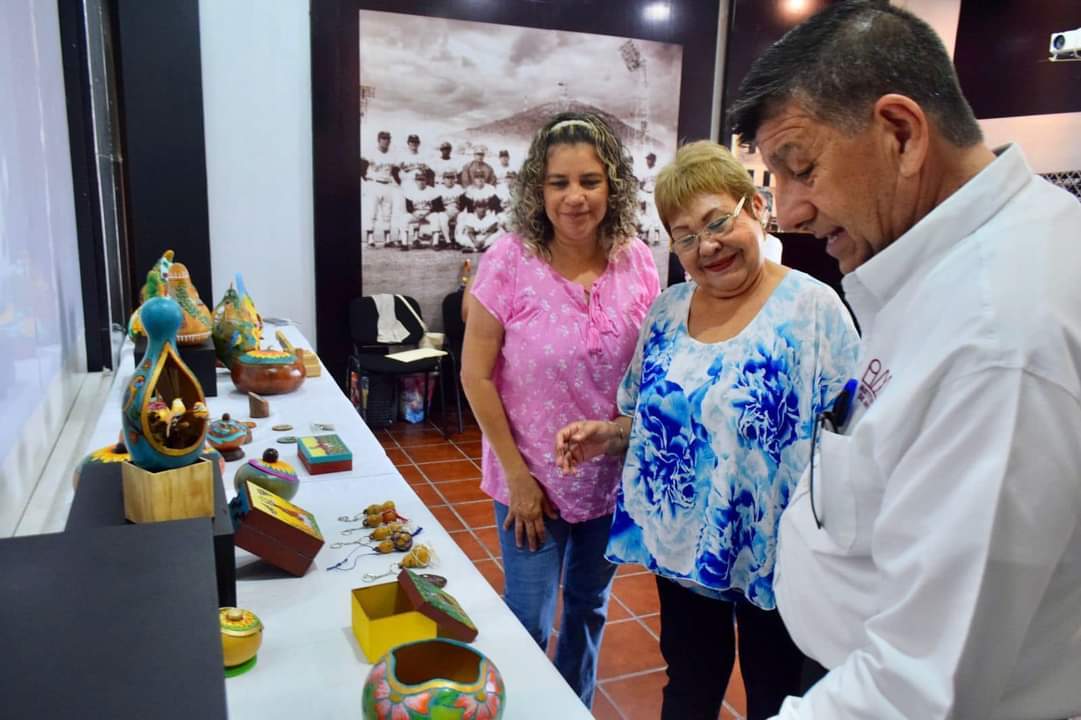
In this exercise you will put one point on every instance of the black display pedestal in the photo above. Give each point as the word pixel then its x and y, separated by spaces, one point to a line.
pixel 200 359
pixel 116 622
pixel 99 502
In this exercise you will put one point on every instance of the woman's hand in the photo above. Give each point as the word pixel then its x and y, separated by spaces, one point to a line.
pixel 587 439
pixel 528 506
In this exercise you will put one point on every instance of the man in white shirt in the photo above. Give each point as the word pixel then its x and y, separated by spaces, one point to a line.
pixel 931 559
pixel 422 208
pixel 477 230
pixel 452 197
pixel 502 168
pixel 413 162
pixel 481 193
pixel 386 204
pixel 445 163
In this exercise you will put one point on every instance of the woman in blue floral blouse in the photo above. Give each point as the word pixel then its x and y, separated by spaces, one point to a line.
pixel 730 372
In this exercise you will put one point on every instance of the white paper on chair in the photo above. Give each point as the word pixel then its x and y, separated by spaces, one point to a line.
pixel 418 354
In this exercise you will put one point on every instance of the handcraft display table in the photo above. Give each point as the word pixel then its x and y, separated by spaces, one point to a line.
pixel 310 664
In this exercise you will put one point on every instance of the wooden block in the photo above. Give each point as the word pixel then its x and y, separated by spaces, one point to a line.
pixel 177 494
pixel 258 406
pixel 312 366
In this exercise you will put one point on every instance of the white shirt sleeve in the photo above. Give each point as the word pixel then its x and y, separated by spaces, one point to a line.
pixel 976 515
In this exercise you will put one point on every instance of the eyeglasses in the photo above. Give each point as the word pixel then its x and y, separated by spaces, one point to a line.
pixel 717 230
pixel 831 420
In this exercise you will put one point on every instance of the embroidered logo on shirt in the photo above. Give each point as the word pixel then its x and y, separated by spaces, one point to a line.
pixel 874 379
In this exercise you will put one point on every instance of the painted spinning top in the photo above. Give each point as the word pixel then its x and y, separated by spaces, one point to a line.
pixel 164 412
pixel 269 472
pixel 437 678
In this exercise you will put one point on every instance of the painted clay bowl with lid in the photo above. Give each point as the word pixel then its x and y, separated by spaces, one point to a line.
pixel 437 678
pixel 227 435
pixel 241 635
pixel 267 372
pixel 269 472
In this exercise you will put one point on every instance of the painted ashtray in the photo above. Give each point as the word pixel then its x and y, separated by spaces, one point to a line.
pixel 241 636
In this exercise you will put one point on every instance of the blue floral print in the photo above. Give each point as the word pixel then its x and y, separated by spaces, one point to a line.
pixel 721 434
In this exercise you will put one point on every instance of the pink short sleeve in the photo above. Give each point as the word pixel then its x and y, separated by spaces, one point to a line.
pixel 496 278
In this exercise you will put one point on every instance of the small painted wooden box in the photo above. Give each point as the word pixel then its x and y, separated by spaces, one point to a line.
pixel 406 610
pixel 324 454
pixel 176 494
pixel 276 530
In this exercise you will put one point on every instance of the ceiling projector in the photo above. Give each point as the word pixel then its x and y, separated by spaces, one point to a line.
pixel 1066 45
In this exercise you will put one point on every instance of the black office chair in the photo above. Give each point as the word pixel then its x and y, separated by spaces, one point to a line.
pixel 454 328
pixel 368 360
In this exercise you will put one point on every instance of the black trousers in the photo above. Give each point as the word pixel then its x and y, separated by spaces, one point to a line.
pixel 698 641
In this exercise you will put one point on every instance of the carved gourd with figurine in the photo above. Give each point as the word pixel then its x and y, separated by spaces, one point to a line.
pixel 164 413
pixel 238 326
pixel 156 285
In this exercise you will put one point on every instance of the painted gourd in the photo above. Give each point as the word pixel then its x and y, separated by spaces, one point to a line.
pixel 237 325
pixel 115 453
pixel 164 412
pixel 270 473
pixel 195 328
pixel 440 678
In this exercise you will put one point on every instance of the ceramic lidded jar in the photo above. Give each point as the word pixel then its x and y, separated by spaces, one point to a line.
pixel 267 372
pixel 227 435
pixel 237 327
pixel 437 678
pixel 269 472
pixel 164 413
pixel 241 635
pixel 196 326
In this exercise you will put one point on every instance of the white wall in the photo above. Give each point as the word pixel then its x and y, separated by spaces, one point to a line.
pixel 1050 142
pixel 256 64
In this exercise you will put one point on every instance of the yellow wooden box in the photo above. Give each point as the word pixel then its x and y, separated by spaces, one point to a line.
pixel 177 494
pixel 384 617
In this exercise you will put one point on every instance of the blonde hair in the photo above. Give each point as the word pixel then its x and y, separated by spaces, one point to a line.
pixel 700 168
pixel 527 214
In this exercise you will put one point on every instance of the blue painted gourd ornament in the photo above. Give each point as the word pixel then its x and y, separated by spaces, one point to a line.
pixel 164 414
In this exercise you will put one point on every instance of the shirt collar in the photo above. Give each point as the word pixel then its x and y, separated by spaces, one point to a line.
pixel 875 282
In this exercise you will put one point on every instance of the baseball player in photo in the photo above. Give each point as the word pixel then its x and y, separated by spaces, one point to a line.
pixel 445 163
pixel 413 162
pixel 477 230
pixel 452 197
pixel 422 205
pixel 384 197
pixel 502 168
pixel 481 193
pixel 649 221
pixel 477 167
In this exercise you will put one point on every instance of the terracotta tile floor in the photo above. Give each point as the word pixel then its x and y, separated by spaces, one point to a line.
pixel 446 476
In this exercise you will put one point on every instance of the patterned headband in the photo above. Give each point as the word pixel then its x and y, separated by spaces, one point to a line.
pixel 571 123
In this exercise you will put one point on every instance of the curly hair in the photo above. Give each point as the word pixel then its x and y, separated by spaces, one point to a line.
pixel 527 214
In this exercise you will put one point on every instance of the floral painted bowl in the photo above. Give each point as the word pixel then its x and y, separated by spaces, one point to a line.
pixel 441 679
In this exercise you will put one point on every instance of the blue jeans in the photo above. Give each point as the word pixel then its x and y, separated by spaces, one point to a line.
pixel 573 552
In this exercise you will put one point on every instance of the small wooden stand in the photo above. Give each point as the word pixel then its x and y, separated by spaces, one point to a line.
pixel 312 368
pixel 258 406
pixel 177 494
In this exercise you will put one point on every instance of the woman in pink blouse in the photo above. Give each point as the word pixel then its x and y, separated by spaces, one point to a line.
pixel 555 310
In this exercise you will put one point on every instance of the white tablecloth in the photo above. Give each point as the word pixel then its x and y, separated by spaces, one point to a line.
pixel 310 665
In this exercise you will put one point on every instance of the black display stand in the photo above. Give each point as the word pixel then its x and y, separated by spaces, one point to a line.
pixel 111 623
pixel 99 502
pixel 200 359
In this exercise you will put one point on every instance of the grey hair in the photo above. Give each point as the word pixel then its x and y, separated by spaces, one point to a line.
pixel 841 60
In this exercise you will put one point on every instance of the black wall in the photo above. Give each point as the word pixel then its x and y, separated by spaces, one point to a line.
pixel 161 99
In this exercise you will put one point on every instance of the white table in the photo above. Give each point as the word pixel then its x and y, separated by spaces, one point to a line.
pixel 310 665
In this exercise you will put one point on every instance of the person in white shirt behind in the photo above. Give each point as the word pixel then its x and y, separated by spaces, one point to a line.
pixel 931 556
pixel 422 207
pixel 503 168
pixel 445 163
pixel 452 198
pixel 477 230
pixel 382 217
pixel 481 193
